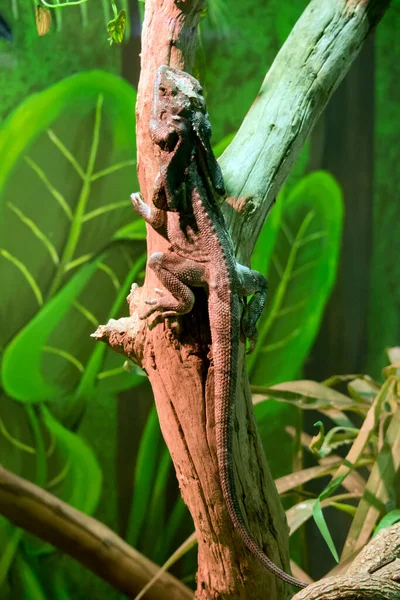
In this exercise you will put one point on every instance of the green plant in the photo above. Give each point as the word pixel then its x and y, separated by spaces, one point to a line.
pixel 374 446
pixel 118 33
pixel 66 230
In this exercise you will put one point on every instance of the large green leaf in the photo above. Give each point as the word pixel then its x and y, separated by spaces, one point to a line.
pixel 66 170
pixel 73 147
pixel 301 273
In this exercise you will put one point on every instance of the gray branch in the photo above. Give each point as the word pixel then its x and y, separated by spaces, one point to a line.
pixel 311 64
pixel 90 542
pixel 373 575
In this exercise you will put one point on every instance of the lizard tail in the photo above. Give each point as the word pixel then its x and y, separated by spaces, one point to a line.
pixel 225 377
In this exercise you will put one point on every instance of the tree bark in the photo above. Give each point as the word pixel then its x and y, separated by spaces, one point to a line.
pixel 309 67
pixel 373 575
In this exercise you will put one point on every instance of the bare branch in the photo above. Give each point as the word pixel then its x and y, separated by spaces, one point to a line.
pixel 373 575
pixel 311 64
pixel 93 544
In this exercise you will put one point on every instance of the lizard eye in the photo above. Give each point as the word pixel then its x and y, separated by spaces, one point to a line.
pixel 162 90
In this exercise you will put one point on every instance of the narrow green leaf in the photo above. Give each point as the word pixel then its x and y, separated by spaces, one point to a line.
pixel 118 379
pixel 346 508
pixel 25 582
pixel 4 432
pixel 84 468
pixel 379 488
pixel 318 439
pixel 157 507
pixel 173 523
pixel 11 537
pixel 113 277
pixel 145 474
pixel 308 395
pixel 113 168
pixel 349 463
pixel 71 466
pixel 86 313
pixel 390 519
pixel 104 209
pixel 298 514
pixel 322 526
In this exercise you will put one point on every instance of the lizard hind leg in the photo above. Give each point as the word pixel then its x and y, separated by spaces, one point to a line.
pixel 252 283
pixel 176 274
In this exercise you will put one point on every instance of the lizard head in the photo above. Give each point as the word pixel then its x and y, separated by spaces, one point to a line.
pixel 178 92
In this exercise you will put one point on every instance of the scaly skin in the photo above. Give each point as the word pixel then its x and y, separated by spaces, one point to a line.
pixel 202 255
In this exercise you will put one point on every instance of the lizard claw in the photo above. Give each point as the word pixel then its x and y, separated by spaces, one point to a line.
pixel 151 302
pixel 155 301
pixel 252 346
pixel 134 287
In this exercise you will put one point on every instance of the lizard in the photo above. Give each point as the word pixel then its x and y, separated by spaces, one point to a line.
pixel 187 194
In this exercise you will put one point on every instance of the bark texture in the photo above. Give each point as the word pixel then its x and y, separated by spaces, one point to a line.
pixel 176 356
pixel 97 547
pixel 373 575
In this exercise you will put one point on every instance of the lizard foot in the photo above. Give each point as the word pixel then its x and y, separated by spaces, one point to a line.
pixel 140 207
pixel 252 346
pixel 155 300
pixel 165 304
pixel 250 333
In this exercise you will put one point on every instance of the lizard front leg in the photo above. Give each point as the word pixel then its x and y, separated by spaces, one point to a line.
pixel 251 283
pixel 154 217
pixel 176 274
